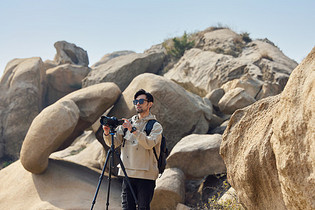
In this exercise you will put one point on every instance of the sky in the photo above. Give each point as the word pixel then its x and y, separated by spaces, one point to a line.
pixel 29 28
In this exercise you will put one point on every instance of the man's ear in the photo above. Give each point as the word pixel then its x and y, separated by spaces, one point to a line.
pixel 150 104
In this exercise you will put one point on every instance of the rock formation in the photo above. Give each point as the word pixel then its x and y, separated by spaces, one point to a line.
pixel 264 145
pixel 21 99
pixel 63 80
pixel 64 185
pixel 268 148
pixel 110 56
pixel 57 126
pixel 222 56
pixel 70 53
pixel 122 69
pixel 169 190
pixel 197 156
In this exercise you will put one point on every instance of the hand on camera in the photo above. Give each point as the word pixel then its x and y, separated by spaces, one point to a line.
pixel 127 124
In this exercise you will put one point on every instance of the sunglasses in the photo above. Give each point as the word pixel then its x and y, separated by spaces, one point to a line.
pixel 140 101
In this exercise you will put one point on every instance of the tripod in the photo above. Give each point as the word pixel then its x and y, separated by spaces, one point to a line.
pixel 110 155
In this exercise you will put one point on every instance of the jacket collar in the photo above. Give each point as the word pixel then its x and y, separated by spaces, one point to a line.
pixel 147 118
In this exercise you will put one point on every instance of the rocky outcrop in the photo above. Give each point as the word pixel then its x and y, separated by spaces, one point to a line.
pixel 63 80
pixel 70 53
pixel 121 70
pixel 197 156
pixel 22 88
pixel 110 56
pixel 235 99
pixel 57 126
pixel 215 96
pixel 269 147
pixel 180 112
pixel 169 190
pixel 223 56
pixel 64 185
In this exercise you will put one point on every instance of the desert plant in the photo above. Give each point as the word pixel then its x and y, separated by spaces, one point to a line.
pixel 245 37
pixel 179 46
pixel 214 203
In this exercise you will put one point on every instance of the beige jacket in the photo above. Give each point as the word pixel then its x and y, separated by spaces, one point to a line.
pixel 137 151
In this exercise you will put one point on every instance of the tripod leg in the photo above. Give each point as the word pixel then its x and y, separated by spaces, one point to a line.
pixel 109 153
pixel 127 178
pixel 109 179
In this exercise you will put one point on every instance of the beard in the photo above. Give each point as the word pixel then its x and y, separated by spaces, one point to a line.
pixel 139 110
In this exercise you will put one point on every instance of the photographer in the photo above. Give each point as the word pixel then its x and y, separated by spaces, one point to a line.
pixel 137 152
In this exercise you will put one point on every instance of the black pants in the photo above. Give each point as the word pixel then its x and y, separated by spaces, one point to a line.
pixel 143 189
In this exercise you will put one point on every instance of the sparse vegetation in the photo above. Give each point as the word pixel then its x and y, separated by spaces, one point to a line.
pixel 178 46
pixel 215 203
pixel 207 193
pixel 245 37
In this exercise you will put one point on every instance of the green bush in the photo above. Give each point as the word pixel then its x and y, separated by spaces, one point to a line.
pixel 179 45
pixel 245 37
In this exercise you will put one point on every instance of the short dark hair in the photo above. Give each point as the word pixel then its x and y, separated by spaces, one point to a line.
pixel 143 92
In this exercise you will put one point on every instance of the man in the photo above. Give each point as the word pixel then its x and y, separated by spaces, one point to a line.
pixel 137 152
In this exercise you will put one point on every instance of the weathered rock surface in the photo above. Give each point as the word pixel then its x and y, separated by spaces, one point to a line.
pixel 235 99
pixel 269 147
pixel 58 125
pixel 85 150
pixel 169 190
pixel 64 185
pixel 22 88
pixel 63 80
pixel 121 70
pixel 110 56
pixel 47 133
pixel 180 112
pixel 223 56
pixel 215 96
pixel 197 156
pixel 70 53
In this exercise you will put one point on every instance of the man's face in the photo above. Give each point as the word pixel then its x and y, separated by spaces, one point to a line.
pixel 140 108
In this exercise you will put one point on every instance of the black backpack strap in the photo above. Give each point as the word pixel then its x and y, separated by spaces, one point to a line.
pixel 155 154
pixel 148 129
pixel 149 126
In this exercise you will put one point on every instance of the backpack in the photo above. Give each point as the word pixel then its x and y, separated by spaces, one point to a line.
pixel 163 149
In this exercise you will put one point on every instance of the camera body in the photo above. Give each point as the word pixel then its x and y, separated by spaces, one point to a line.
pixel 112 122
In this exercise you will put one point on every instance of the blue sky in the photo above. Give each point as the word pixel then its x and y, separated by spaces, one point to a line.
pixel 29 28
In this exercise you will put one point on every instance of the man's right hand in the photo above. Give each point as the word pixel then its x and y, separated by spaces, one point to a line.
pixel 106 130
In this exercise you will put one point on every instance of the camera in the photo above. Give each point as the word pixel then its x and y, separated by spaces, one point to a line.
pixel 112 122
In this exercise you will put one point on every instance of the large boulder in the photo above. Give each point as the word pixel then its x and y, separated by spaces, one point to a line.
pixel 22 88
pixel 63 80
pixel 70 53
pixel 180 112
pixel 235 99
pixel 64 185
pixel 169 190
pixel 222 56
pixel 269 146
pixel 58 125
pixel 197 156
pixel 122 69
pixel 110 56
